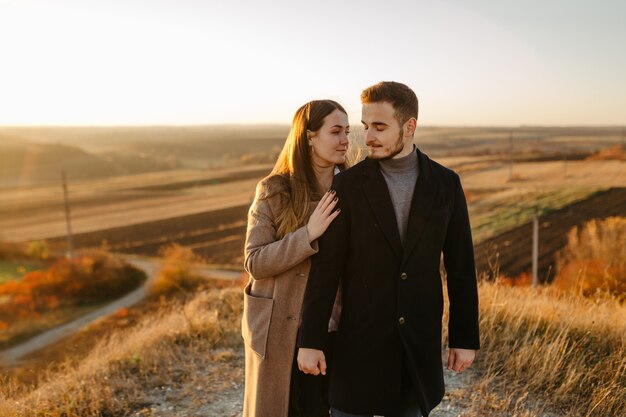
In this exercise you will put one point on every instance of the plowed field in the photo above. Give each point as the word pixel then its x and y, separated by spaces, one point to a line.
pixel 514 247
pixel 217 235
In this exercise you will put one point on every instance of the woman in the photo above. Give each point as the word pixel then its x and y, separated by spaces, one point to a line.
pixel 292 208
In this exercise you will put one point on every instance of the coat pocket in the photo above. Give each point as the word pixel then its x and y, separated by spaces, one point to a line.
pixel 255 323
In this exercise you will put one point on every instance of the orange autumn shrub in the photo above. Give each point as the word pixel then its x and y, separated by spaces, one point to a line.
pixel 176 273
pixel 594 260
pixel 92 277
pixel 524 279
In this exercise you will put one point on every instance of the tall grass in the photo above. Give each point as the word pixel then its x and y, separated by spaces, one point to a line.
pixel 542 350
pixel 114 379
pixel 545 350
pixel 560 348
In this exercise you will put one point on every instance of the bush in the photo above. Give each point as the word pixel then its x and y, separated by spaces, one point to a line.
pixel 593 261
pixel 176 272
pixel 96 276
pixel 38 249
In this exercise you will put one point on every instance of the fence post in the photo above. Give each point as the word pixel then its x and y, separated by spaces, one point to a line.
pixel 535 249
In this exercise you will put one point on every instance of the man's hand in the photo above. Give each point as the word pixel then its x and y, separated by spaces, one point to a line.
pixel 311 361
pixel 460 359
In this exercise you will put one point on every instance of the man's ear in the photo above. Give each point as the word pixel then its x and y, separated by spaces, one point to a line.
pixel 410 126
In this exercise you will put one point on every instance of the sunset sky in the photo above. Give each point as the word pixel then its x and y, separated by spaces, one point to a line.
pixel 159 62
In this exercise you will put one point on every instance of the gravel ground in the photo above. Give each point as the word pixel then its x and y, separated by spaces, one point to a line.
pixel 222 395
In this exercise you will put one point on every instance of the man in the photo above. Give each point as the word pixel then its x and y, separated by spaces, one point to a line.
pixel 399 211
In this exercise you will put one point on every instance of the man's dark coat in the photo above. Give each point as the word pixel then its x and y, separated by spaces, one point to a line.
pixel 392 293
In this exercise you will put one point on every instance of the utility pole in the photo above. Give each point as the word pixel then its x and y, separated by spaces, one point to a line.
pixel 565 161
pixel 623 143
pixel 535 249
pixel 511 156
pixel 70 244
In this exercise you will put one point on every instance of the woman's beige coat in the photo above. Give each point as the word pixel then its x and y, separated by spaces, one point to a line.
pixel 272 302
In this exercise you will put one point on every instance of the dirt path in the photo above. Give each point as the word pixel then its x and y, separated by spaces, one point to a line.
pixel 223 397
pixel 13 355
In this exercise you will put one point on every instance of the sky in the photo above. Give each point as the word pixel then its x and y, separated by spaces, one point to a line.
pixel 177 62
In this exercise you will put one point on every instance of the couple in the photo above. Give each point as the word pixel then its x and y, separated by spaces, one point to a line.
pixel 342 313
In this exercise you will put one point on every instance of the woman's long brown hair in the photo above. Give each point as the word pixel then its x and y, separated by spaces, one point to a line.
pixel 294 167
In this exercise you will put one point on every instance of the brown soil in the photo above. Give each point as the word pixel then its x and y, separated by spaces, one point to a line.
pixel 218 236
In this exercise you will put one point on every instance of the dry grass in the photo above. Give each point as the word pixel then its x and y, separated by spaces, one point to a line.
pixel 552 174
pixel 544 350
pixel 544 353
pixel 165 348
pixel 615 152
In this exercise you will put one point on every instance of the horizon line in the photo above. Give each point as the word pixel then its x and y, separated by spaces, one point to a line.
pixel 275 124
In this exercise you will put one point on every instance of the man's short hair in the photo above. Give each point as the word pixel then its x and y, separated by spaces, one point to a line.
pixel 401 97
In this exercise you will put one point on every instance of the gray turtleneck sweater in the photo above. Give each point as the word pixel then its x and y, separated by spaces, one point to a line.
pixel 401 175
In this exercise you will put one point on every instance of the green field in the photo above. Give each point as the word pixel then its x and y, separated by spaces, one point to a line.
pixel 503 211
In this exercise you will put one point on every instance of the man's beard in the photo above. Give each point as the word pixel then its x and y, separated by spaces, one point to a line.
pixel 396 149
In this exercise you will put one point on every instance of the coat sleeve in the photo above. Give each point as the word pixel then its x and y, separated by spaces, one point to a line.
pixel 458 253
pixel 326 270
pixel 265 255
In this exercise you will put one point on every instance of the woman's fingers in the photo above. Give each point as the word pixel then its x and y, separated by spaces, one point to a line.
pixel 333 215
pixel 323 215
pixel 330 206
pixel 329 219
pixel 326 199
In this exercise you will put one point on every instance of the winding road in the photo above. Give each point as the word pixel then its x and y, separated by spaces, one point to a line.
pixel 150 266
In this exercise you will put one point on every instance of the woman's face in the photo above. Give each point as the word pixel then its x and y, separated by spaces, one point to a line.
pixel 330 143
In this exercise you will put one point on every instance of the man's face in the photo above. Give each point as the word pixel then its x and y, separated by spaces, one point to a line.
pixel 383 135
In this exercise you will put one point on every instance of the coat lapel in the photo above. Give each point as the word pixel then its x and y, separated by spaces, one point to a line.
pixel 422 203
pixel 377 194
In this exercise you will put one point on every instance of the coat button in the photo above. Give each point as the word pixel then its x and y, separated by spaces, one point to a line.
pixel 401 320
pixel 403 276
